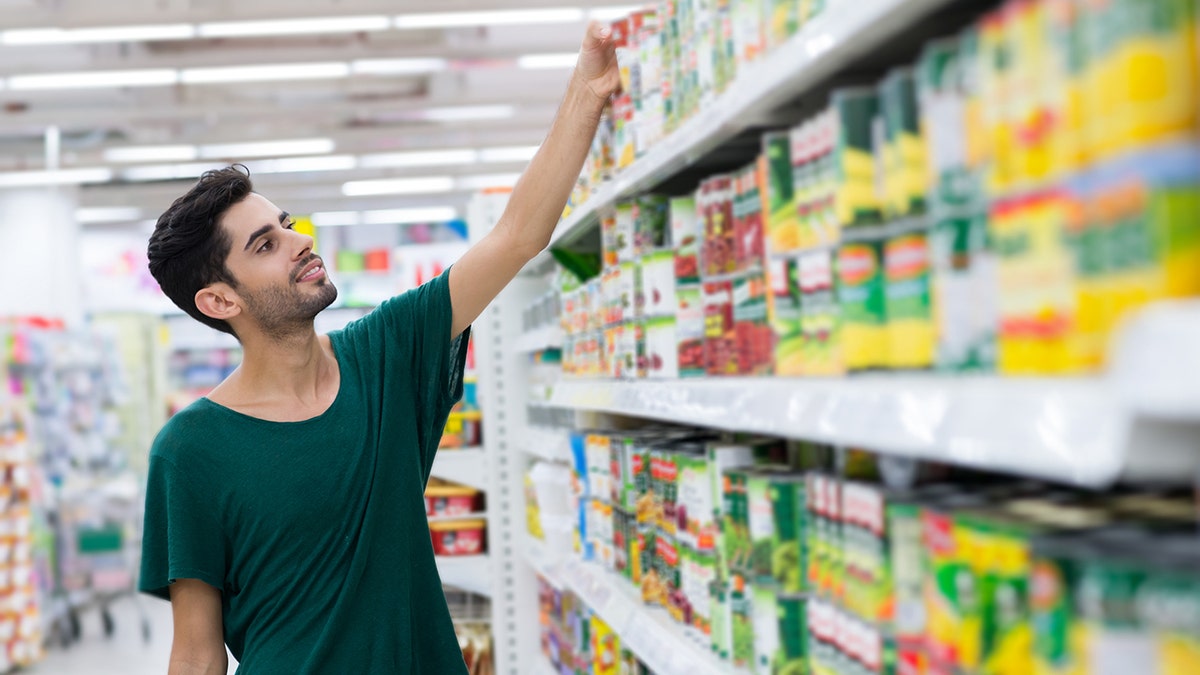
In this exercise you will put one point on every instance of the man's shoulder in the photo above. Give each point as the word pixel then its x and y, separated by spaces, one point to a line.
pixel 187 430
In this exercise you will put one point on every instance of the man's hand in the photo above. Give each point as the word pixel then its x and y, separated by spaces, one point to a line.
pixel 597 65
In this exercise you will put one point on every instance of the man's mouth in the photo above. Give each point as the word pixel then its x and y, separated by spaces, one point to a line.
pixel 311 272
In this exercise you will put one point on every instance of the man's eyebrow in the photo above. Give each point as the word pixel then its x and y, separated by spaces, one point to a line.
pixel 256 234
pixel 283 217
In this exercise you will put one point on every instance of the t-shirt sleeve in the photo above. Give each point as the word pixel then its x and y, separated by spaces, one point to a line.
pixel 181 537
pixel 419 324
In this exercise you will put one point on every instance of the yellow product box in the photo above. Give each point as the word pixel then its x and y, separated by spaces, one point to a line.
pixel 1031 85
pixel 606 648
pixel 1066 67
pixel 1156 68
pixel 862 298
pixel 779 198
pixel 908 284
pixel 994 70
pixel 857 197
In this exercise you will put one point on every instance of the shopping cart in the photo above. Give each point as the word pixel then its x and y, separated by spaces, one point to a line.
pixel 97 529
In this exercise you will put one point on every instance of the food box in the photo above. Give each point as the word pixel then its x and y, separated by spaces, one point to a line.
pixel 905 164
pixel 866 547
pixel 658 283
pixel 858 201
pixel 912 338
pixel 625 232
pixel 755 340
pixel 662 348
pixel 720 334
pixel 651 223
pixel 820 315
pixel 444 499
pixel 664 476
pixel 694 507
pixel 687 237
pixel 722 619
pixel 720 237
pixel 458 537
pixel 863 301
pixel 784 316
pixel 783 226
pixel 668 565
pixel 777 522
pixel 780 627
pixel 741 612
pixel 749 226
pixel 690 331
pixel 737 546
pixel 698 573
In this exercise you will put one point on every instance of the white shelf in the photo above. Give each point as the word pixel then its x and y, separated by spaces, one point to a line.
pixel 648 632
pixel 552 445
pixel 546 337
pixel 470 572
pixel 543 665
pixel 468 466
pixel 1088 431
pixel 843 33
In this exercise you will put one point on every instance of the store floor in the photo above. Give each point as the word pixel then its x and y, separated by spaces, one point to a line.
pixel 125 653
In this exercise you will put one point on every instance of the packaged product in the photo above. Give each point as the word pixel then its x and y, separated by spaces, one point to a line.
pixel 624 133
pixel 690 330
pixel 749 36
pixel 749 226
pixel 754 338
pixel 866 550
pixel 862 297
pixel 741 611
pixel 722 619
pixel 694 503
pixel 858 202
pixel 720 335
pixel 667 559
pixel 715 205
pixel 699 572
pixel 608 239
pixel 625 232
pixel 905 166
pixel 651 222
pixel 623 525
pixel 662 348
pixel 784 315
pixel 687 236
pixel 458 537
pixel 820 315
pixel 448 499
pixel 783 20
pixel 912 340
pixel 658 284
pixel 776 524
pixel 737 546
pixel 606 648
pixel 600 480
pixel 782 217
pixel 722 457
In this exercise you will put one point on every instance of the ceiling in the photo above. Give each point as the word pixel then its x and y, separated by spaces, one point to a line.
pixel 132 100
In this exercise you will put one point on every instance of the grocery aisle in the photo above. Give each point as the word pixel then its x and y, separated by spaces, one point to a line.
pixel 125 653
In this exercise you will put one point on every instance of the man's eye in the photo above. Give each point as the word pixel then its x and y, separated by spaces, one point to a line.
pixel 289 226
pixel 266 246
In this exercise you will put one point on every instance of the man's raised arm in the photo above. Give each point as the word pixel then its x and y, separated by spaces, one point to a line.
pixel 537 201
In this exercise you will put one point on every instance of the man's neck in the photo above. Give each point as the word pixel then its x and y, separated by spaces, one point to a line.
pixel 295 369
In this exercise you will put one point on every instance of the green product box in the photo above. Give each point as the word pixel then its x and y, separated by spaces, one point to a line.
pixel 624 528
pixel 863 302
pixel 904 151
pixel 735 522
pixel 690 327
pixel 694 502
pixel 741 610
pixel 698 573
pixel 623 233
pixel 765 612
pixel 820 315
pixel 687 237
pixel 857 201
pixel 912 336
pixel 667 556
pixel 722 457
pixel 777 523
pixel 783 220
pixel 722 619
pixel 753 337
pixel 785 316
pixel 906 553
pixel 866 549
pixel 651 223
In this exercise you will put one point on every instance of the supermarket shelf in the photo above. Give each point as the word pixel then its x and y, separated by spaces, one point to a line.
pixel 1156 367
pixel 544 667
pixel 649 633
pixel 468 466
pixel 552 445
pixel 829 42
pixel 470 572
pixel 478 515
pixel 546 337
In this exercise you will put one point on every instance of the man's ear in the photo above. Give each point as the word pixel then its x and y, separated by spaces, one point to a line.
pixel 218 301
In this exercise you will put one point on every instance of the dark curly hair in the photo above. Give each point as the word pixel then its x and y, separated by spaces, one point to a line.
pixel 188 248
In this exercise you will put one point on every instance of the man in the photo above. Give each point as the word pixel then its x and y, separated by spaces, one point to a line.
pixel 284 512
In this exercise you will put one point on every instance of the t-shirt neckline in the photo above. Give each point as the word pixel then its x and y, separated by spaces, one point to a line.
pixel 337 355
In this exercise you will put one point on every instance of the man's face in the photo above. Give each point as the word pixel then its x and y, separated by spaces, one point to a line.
pixel 281 281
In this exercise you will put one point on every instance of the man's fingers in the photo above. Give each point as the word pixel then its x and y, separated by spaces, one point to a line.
pixel 597 33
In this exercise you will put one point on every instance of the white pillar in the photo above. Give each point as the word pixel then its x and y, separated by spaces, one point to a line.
pixel 39 255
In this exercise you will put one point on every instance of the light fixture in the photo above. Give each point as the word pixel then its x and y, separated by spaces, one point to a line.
pixel 151 153
pixel 612 13
pixel 153 172
pixel 333 24
pixel 431 214
pixel 469 112
pixel 547 61
pixel 107 214
pixel 56 177
pixel 386 160
pixel 277 72
pixel 509 154
pixel 494 18
pixel 64 36
pixel 413 66
pixel 303 164
pixel 94 79
pixel 335 218
pixel 297 146
pixel 485 181
pixel 398 186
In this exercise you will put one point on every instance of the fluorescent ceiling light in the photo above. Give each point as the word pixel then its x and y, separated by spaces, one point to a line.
pixel 302 164
pixel 60 36
pixel 485 181
pixel 151 153
pixel 431 214
pixel 95 79
pixel 299 146
pixel 167 171
pixel 469 112
pixel 547 61
pixel 495 18
pixel 278 72
pixel 612 13
pixel 398 66
pixel 335 24
pixel 107 214
pixel 424 158
pixel 335 218
pixel 398 186
pixel 59 177
pixel 512 154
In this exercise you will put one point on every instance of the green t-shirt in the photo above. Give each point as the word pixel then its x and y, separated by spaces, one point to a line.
pixel 315 531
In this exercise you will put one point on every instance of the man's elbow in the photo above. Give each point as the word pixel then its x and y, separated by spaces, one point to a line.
pixel 199 661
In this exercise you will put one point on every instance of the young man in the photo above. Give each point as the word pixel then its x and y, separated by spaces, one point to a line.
pixel 285 515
